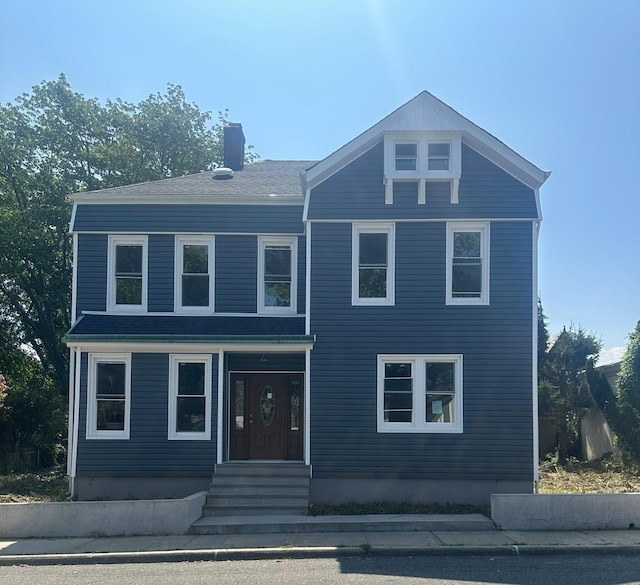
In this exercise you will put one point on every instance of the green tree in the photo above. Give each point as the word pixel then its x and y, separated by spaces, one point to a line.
pixel 628 421
pixel 54 142
pixel 564 388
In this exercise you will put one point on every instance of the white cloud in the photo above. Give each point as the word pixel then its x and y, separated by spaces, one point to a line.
pixel 610 356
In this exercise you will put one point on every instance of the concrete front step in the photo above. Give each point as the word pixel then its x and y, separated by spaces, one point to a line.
pixel 258 489
pixel 285 523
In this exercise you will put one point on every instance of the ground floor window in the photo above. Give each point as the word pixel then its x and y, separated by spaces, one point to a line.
pixel 108 396
pixel 190 397
pixel 420 393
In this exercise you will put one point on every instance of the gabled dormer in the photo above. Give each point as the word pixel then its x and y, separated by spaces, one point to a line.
pixel 421 156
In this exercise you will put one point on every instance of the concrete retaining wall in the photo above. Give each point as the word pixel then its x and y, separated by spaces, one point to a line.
pixel 566 511
pixel 87 519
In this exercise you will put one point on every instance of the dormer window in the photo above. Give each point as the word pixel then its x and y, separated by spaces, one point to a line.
pixel 406 156
pixel 439 156
pixel 422 156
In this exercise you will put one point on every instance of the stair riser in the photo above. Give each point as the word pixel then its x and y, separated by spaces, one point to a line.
pixel 259 491
pixel 239 511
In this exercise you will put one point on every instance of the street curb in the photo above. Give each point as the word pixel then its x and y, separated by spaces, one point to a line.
pixel 253 554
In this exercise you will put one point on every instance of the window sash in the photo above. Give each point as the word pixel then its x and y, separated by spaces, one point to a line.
pixel 468 263
pixel 373 264
pixel 190 396
pixel 420 393
pixel 194 274
pixel 108 396
pixel 277 274
pixel 127 267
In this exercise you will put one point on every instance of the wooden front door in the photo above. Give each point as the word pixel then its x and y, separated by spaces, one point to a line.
pixel 265 416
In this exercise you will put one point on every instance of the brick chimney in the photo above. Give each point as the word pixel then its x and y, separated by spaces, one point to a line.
pixel 234 146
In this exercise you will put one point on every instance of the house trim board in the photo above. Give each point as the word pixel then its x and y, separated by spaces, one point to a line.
pixel 534 362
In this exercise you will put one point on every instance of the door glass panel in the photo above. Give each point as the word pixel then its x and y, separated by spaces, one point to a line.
pixel 239 405
pixel 267 405
pixel 294 406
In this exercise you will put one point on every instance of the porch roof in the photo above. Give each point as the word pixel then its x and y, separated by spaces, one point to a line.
pixel 188 329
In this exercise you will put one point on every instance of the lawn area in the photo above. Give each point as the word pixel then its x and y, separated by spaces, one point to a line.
pixel 577 477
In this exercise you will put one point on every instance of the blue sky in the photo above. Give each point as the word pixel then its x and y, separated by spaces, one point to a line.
pixel 557 81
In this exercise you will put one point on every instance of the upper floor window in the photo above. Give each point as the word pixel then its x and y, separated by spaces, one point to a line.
pixel 406 156
pixel 127 273
pixel 467 278
pixel 420 393
pixel 439 155
pixel 190 397
pixel 108 396
pixel 194 274
pixel 277 274
pixel 373 264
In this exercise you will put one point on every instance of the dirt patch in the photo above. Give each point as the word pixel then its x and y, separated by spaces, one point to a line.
pixel 50 486
pixel 597 477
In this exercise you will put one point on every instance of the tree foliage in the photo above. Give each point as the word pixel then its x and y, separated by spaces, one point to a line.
pixel 54 142
pixel 568 383
pixel 628 423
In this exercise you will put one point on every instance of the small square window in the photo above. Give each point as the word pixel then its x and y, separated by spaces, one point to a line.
pixel 406 157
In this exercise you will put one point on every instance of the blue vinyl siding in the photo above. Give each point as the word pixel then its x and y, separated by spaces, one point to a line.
pixel 236 274
pixel 358 192
pixel 147 219
pixel 495 340
pixel 148 452
pixel 91 263
pixel 161 262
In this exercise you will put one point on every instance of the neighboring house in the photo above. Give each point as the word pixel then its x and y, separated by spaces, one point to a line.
pixel 369 319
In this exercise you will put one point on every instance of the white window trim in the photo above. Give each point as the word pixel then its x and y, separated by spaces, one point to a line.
pixel 418 423
pixel 485 251
pixel 177 278
pixel 92 406
pixel 174 361
pixel 292 242
pixel 373 228
pixel 115 241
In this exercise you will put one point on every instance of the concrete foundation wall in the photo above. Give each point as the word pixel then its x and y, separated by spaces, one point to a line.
pixel 566 511
pixel 138 488
pixel 478 492
pixel 87 519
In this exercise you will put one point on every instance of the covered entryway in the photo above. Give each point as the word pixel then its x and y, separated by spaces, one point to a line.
pixel 265 416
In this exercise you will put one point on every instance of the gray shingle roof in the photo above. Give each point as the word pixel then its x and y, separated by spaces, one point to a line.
pixel 280 177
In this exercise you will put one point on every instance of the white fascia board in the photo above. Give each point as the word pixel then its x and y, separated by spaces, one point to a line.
pixel 167 347
pixel 404 118
pixel 96 197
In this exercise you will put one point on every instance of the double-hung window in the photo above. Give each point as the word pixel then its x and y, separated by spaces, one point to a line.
pixel 467 277
pixel 277 274
pixel 108 396
pixel 127 273
pixel 439 156
pixel 406 156
pixel 190 397
pixel 420 393
pixel 194 274
pixel 373 264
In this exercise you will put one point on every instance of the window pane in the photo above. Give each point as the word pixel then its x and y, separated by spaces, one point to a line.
pixel 406 150
pixel 190 414
pixel 277 294
pixel 110 415
pixel 195 259
pixel 440 408
pixel 397 370
pixel 373 283
pixel 195 290
pixel 129 260
pixel 438 164
pixel 294 406
pixel 466 244
pixel 239 415
pixel 277 261
pixel 439 377
pixel 466 280
pixel 191 379
pixel 439 149
pixel 373 249
pixel 110 380
pixel 128 291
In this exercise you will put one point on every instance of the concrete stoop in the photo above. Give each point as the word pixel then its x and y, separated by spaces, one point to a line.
pixel 258 489
pixel 278 524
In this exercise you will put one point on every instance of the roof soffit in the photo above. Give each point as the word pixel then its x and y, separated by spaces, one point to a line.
pixel 425 113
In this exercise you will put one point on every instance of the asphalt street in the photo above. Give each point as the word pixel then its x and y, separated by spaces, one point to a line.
pixel 561 569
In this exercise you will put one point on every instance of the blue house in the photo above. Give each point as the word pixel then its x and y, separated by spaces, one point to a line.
pixel 361 328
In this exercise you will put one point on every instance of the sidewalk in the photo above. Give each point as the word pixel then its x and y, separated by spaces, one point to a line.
pixel 369 542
